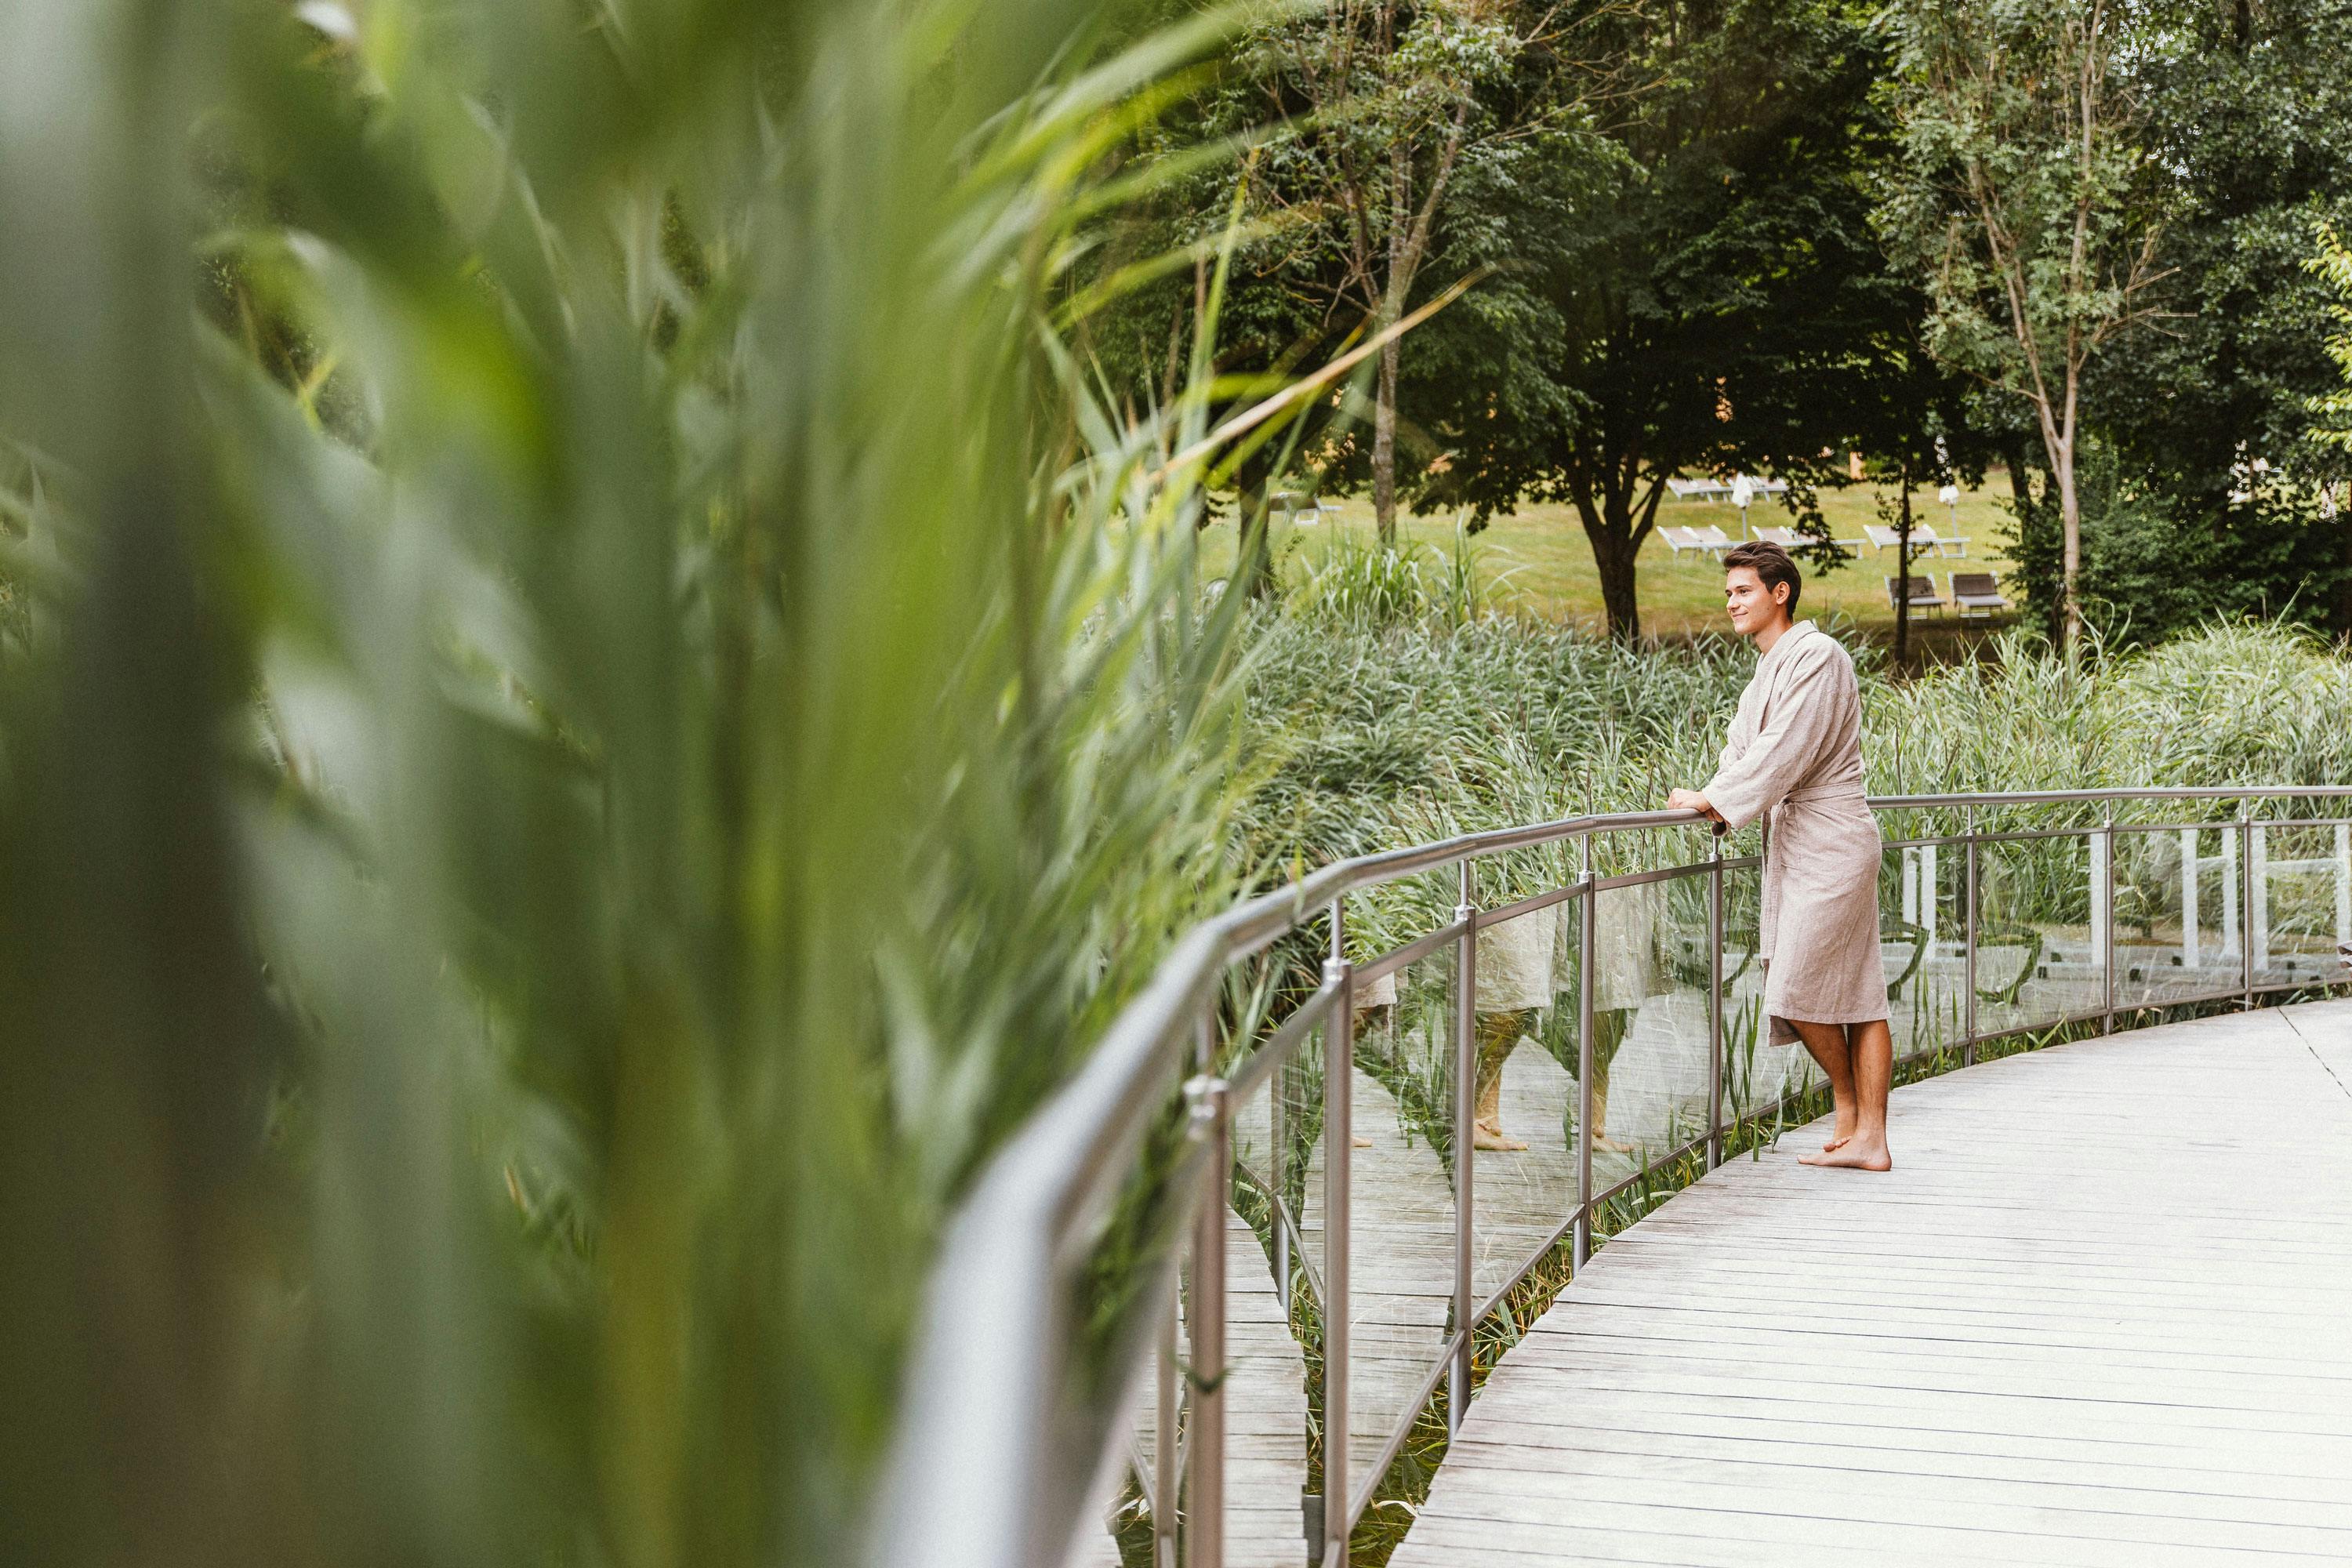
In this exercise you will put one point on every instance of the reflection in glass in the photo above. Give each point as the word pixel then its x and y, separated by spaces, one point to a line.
pixel 1923 944
pixel 2039 960
pixel 1525 1188
pixel 1650 997
pixel 2302 917
pixel 1755 1073
pixel 2176 915
pixel 1402 1237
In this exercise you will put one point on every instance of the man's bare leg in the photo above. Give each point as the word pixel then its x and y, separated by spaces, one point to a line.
pixel 1827 1044
pixel 1871 1056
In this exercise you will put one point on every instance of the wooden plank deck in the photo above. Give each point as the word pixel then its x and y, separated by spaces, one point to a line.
pixel 2101 1312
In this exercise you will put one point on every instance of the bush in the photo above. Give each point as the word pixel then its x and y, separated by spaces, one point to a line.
pixel 2155 565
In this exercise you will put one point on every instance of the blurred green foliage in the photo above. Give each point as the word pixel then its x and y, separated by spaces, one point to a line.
pixel 580 739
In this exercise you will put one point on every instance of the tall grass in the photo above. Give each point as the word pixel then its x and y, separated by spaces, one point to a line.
pixel 580 742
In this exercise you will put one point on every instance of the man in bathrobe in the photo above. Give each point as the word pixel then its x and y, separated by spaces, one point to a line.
pixel 1795 752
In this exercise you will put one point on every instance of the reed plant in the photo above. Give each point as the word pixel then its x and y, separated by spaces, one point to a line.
pixel 1378 733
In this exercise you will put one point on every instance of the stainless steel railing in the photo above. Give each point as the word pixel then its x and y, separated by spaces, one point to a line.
pixel 1015 1409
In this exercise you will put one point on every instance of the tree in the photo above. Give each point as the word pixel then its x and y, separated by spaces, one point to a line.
pixel 2250 116
pixel 1385 104
pixel 2332 410
pixel 2023 198
pixel 1712 295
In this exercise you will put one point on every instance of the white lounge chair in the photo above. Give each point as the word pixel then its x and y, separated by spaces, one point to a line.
pixel 1786 538
pixel 1925 540
pixel 1701 489
pixel 1704 540
pixel 1295 508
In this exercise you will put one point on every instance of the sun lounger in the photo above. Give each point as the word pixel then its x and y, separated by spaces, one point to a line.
pixel 1699 490
pixel 1922 592
pixel 1925 540
pixel 1976 594
pixel 1786 538
pixel 1704 540
pixel 1295 508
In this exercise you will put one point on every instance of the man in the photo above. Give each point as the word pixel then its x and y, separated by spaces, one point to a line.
pixel 1795 751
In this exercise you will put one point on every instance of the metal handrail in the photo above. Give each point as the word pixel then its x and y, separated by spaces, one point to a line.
pixel 996 1325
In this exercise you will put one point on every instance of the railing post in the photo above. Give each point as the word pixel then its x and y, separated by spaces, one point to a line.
pixel 1204 1457
pixel 1715 1000
pixel 1164 1476
pixel 1276 1134
pixel 1338 1147
pixel 2191 960
pixel 2258 898
pixel 2344 891
pixel 1969 996
pixel 2107 914
pixel 1465 1137
pixel 1582 1247
pixel 2246 905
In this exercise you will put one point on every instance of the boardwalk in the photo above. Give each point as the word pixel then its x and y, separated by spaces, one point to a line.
pixel 2101 1313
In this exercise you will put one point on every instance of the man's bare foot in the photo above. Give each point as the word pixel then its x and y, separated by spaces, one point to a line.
pixel 1841 1126
pixel 1855 1154
pixel 1487 1135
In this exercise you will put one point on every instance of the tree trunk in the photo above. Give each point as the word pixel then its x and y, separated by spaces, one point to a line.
pixel 2069 517
pixel 1253 566
pixel 1384 415
pixel 1903 572
pixel 1608 520
pixel 1612 554
pixel 2019 492
pixel 2342 568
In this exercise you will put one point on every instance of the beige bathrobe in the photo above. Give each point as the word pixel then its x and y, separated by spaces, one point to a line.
pixel 1795 751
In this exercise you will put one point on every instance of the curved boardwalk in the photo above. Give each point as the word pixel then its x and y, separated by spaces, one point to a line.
pixel 2100 1314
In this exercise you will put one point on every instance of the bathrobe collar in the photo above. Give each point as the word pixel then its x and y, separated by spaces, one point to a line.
pixel 1795 633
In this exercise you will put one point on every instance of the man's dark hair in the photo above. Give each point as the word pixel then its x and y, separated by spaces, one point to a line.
pixel 1771 563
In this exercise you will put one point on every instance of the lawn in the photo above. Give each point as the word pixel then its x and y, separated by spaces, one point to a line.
pixel 1537 561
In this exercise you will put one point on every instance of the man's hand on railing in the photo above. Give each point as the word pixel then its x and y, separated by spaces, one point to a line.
pixel 1691 800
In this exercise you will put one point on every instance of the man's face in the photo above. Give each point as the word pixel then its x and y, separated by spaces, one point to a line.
pixel 1752 606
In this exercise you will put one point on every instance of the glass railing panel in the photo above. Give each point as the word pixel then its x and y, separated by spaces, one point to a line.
pixel 1523 1189
pixel 1270 1295
pixel 2302 903
pixel 1649 1001
pixel 1923 945
pixel 1273 1134
pixel 1403 1238
pixel 2039 958
pixel 2176 915
pixel 1131 1297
